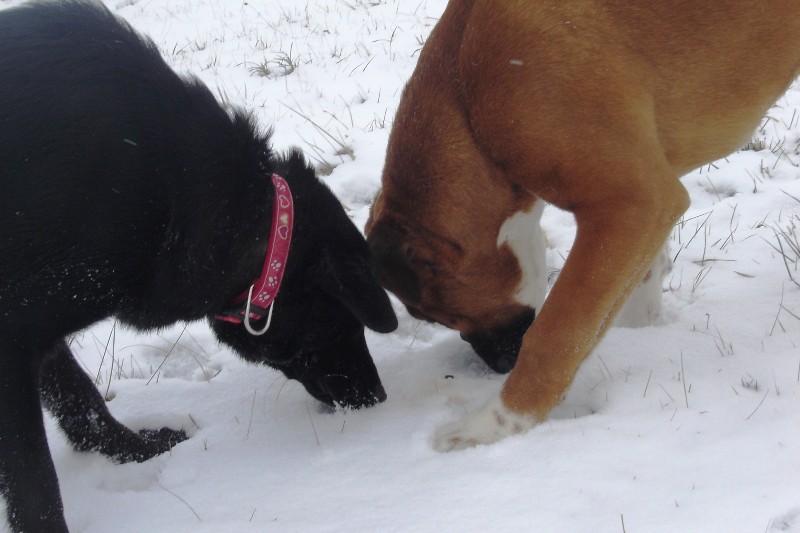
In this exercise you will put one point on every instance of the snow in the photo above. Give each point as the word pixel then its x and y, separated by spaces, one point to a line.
pixel 691 424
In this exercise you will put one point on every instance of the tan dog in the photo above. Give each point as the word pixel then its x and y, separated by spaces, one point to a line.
pixel 597 106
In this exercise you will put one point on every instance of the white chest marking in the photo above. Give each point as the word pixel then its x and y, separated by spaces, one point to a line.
pixel 523 234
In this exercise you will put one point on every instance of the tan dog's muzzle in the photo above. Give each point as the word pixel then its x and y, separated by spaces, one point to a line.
pixel 499 347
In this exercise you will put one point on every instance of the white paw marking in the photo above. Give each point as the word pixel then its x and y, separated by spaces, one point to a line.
pixel 489 424
pixel 523 234
pixel 644 304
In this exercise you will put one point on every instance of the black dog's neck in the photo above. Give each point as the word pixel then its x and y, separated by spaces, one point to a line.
pixel 253 237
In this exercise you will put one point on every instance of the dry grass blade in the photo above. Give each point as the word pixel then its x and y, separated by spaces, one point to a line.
pixel 683 379
pixel 314 427
pixel 183 501
pixel 758 406
pixel 105 351
pixel 252 410
pixel 155 373
pixel 788 246
pixel 343 148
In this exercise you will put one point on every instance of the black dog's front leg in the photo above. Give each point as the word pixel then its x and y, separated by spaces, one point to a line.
pixel 69 394
pixel 27 477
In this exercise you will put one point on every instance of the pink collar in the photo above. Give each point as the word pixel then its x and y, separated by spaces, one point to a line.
pixel 253 304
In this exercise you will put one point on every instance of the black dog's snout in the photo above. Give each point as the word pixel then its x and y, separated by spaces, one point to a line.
pixel 342 391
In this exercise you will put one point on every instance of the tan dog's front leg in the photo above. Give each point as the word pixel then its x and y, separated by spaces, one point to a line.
pixel 616 242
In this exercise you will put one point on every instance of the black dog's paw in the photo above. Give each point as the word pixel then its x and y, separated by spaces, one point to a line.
pixel 164 438
pixel 148 443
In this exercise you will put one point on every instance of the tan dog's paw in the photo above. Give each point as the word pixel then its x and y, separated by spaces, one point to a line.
pixel 491 423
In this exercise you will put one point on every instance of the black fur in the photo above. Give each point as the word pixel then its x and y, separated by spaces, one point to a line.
pixel 499 347
pixel 128 191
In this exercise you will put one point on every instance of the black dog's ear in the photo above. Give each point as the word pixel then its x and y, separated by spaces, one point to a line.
pixel 351 280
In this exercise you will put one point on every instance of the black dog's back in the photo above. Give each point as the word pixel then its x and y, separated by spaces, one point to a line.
pixel 109 112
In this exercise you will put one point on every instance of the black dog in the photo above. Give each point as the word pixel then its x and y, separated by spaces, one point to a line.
pixel 128 191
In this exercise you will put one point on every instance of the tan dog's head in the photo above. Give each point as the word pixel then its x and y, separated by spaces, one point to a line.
pixel 433 232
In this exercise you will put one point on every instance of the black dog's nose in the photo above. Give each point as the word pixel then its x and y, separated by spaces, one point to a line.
pixel 379 394
pixel 344 392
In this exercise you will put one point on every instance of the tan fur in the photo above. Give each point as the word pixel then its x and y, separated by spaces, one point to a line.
pixel 597 106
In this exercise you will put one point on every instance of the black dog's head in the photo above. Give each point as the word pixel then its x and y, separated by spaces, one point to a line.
pixel 329 293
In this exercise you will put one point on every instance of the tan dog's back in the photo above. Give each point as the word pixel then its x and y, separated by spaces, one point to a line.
pixel 703 76
pixel 714 76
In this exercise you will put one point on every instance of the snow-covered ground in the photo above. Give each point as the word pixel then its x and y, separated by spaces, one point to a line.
pixel 689 425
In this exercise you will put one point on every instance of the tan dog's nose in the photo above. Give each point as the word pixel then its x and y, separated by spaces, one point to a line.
pixel 499 347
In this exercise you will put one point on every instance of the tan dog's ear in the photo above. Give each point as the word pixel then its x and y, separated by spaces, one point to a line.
pixel 374 210
pixel 393 259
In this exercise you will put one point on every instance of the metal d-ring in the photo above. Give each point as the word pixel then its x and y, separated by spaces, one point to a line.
pixel 246 320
